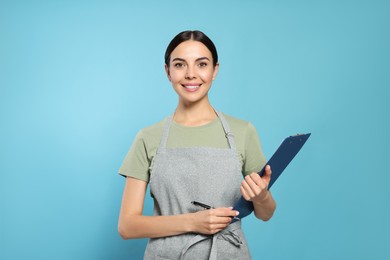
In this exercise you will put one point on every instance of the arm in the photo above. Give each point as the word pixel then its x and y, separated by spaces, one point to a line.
pixel 255 189
pixel 132 224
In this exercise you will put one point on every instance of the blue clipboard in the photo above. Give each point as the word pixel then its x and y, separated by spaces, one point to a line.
pixel 278 162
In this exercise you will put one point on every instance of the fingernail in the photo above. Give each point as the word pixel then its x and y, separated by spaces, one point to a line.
pixel 230 207
pixel 237 213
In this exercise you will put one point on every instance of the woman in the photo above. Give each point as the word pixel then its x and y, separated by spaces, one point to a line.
pixel 196 154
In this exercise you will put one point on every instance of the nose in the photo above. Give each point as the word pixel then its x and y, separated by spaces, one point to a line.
pixel 190 73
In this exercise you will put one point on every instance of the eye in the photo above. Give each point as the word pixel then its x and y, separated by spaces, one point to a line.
pixel 202 64
pixel 178 65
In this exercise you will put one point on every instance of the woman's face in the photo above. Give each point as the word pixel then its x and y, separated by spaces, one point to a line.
pixel 191 71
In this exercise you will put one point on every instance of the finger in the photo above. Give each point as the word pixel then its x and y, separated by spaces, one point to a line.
pixel 245 194
pixel 220 221
pixel 256 187
pixel 252 184
pixel 226 220
pixel 267 174
pixel 225 212
pixel 247 188
pixel 268 170
pixel 256 178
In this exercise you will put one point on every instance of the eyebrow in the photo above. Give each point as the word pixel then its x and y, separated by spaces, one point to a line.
pixel 198 59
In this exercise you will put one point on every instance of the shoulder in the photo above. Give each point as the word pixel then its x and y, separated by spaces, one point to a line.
pixel 152 132
pixel 239 126
pixel 248 144
pixel 148 138
pixel 244 131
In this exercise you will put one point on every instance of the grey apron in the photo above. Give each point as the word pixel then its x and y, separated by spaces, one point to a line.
pixel 209 175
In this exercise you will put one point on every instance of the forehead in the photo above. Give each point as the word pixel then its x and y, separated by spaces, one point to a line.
pixel 191 49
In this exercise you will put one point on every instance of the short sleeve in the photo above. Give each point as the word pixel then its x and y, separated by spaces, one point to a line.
pixel 136 163
pixel 254 159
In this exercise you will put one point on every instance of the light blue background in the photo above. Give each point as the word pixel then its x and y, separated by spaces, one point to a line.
pixel 80 78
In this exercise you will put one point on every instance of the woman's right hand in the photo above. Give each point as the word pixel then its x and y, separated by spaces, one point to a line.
pixel 212 221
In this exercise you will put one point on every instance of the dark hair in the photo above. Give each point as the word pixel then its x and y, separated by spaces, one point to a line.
pixel 195 36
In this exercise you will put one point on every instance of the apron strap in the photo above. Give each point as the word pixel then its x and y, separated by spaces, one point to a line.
pixel 228 132
pixel 165 134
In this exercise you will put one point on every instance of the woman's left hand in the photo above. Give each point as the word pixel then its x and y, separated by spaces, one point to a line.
pixel 255 188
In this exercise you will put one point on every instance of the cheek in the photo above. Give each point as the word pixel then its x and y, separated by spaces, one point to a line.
pixel 176 76
pixel 175 79
pixel 206 75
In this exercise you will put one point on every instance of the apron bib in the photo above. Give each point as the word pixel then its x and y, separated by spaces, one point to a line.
pixel 210 175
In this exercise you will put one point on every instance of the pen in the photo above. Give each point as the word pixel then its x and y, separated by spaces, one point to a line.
pixel 196 203
pixel 205 206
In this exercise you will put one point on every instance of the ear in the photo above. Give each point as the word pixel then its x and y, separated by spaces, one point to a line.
pixel 167 71
pixel 215 71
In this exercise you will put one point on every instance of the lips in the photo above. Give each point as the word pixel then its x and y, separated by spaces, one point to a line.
pixel 191 87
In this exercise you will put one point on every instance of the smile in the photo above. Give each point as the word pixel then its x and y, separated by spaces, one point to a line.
pixel 191 87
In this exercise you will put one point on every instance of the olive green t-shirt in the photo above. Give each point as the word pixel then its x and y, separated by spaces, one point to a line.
pixel 139 159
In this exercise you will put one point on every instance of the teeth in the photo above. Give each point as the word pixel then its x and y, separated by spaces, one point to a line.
pixel 192 87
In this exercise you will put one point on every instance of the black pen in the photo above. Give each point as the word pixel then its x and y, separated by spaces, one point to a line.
pixel 205 206
pixel 196 203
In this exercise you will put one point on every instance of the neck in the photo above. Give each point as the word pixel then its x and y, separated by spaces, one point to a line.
pixel 194 114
